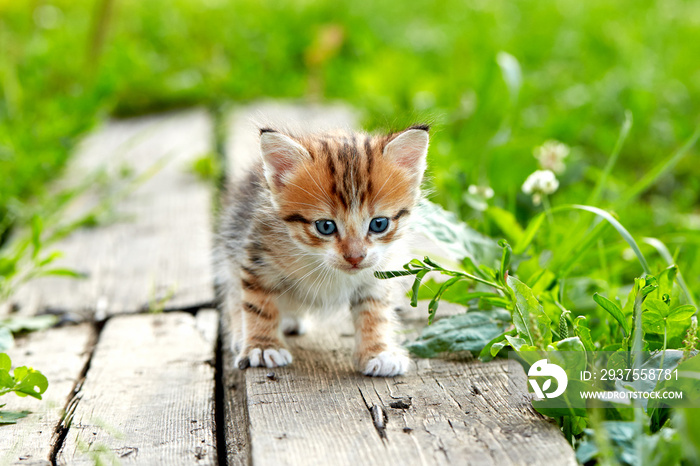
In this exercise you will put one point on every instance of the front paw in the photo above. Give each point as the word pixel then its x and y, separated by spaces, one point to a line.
pixel 386 364
pixel 262 357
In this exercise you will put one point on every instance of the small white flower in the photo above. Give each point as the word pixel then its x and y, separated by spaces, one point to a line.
pixel 539 183
pixel 485 192
pixel 551 155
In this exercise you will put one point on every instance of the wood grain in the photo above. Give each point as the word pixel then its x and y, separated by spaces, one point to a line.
pixel 61 355
pixel 148 397
pixel 319 411
pixel 156 245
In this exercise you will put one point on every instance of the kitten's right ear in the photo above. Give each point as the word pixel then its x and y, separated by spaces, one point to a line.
pixel 409 150
pixel 281 154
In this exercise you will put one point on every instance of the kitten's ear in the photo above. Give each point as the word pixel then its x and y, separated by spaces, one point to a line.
pixel 409 149
pixel 281 154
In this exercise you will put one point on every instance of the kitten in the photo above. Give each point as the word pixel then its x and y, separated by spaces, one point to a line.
pixel 307 229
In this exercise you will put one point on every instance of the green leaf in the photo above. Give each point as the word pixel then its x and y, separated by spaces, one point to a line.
pixel 458 293
pixel 394 273
pixel 29 324
pixel 679 319
pixel 37 227
pixel 529 234
pixel 5 362
pixel 681 313
pixel 30 382
pixel 465 332
pixel 516 342
pixel 653 316
pixel 528 316
pixel 665 281
pixel 60 272
pixel 416 286
pixel 663 252
pixel 658 316
pixel 506 222
pixel 11 417
pixel 584 333
pixel 50 258
pixel 614 310
pixel 433 305
pixel 505 258
pixel 487 353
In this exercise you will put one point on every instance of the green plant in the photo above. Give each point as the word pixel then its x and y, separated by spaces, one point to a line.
pixel 504 312
pixel 23 381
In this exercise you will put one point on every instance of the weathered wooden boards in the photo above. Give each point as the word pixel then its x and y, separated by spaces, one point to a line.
pixel 320 411
pixel 61 355
pixel 148 397
pixel 156 249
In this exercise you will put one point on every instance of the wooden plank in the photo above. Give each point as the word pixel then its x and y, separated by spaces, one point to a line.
pixel 158 245
pixel 148 397
pixel 320 410
pixel 61 355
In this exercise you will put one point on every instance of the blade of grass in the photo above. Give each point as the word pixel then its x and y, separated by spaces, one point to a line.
pixel 616 224
pixel 624 132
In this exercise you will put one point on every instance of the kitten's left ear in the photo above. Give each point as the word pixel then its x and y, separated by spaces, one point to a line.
pixel 281 156
pixel 409 149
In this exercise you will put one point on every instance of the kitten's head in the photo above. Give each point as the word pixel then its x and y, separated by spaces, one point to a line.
pixel 343 195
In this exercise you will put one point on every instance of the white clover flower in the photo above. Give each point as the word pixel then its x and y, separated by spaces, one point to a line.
pixel 485 192
pixel 539 183
pixel 551 155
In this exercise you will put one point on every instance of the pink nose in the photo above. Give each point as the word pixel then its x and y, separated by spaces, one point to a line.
pixel 354 260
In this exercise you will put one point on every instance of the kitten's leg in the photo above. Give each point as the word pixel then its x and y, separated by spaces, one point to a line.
pixel 376 352
pixel 261 345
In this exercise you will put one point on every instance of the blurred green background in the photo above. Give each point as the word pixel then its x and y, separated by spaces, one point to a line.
pixel 567 70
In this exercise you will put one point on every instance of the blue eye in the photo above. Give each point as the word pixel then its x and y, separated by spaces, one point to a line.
pixel 325 227
pixel 379 224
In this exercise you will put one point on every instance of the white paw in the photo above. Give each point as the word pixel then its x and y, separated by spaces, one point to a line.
pixel 387 364
pixel 263 358
pixel 293 326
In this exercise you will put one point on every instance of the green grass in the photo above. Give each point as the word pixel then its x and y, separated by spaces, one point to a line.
pixel 582 67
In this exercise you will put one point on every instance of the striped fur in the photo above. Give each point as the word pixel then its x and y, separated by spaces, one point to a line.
pixel 270 248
